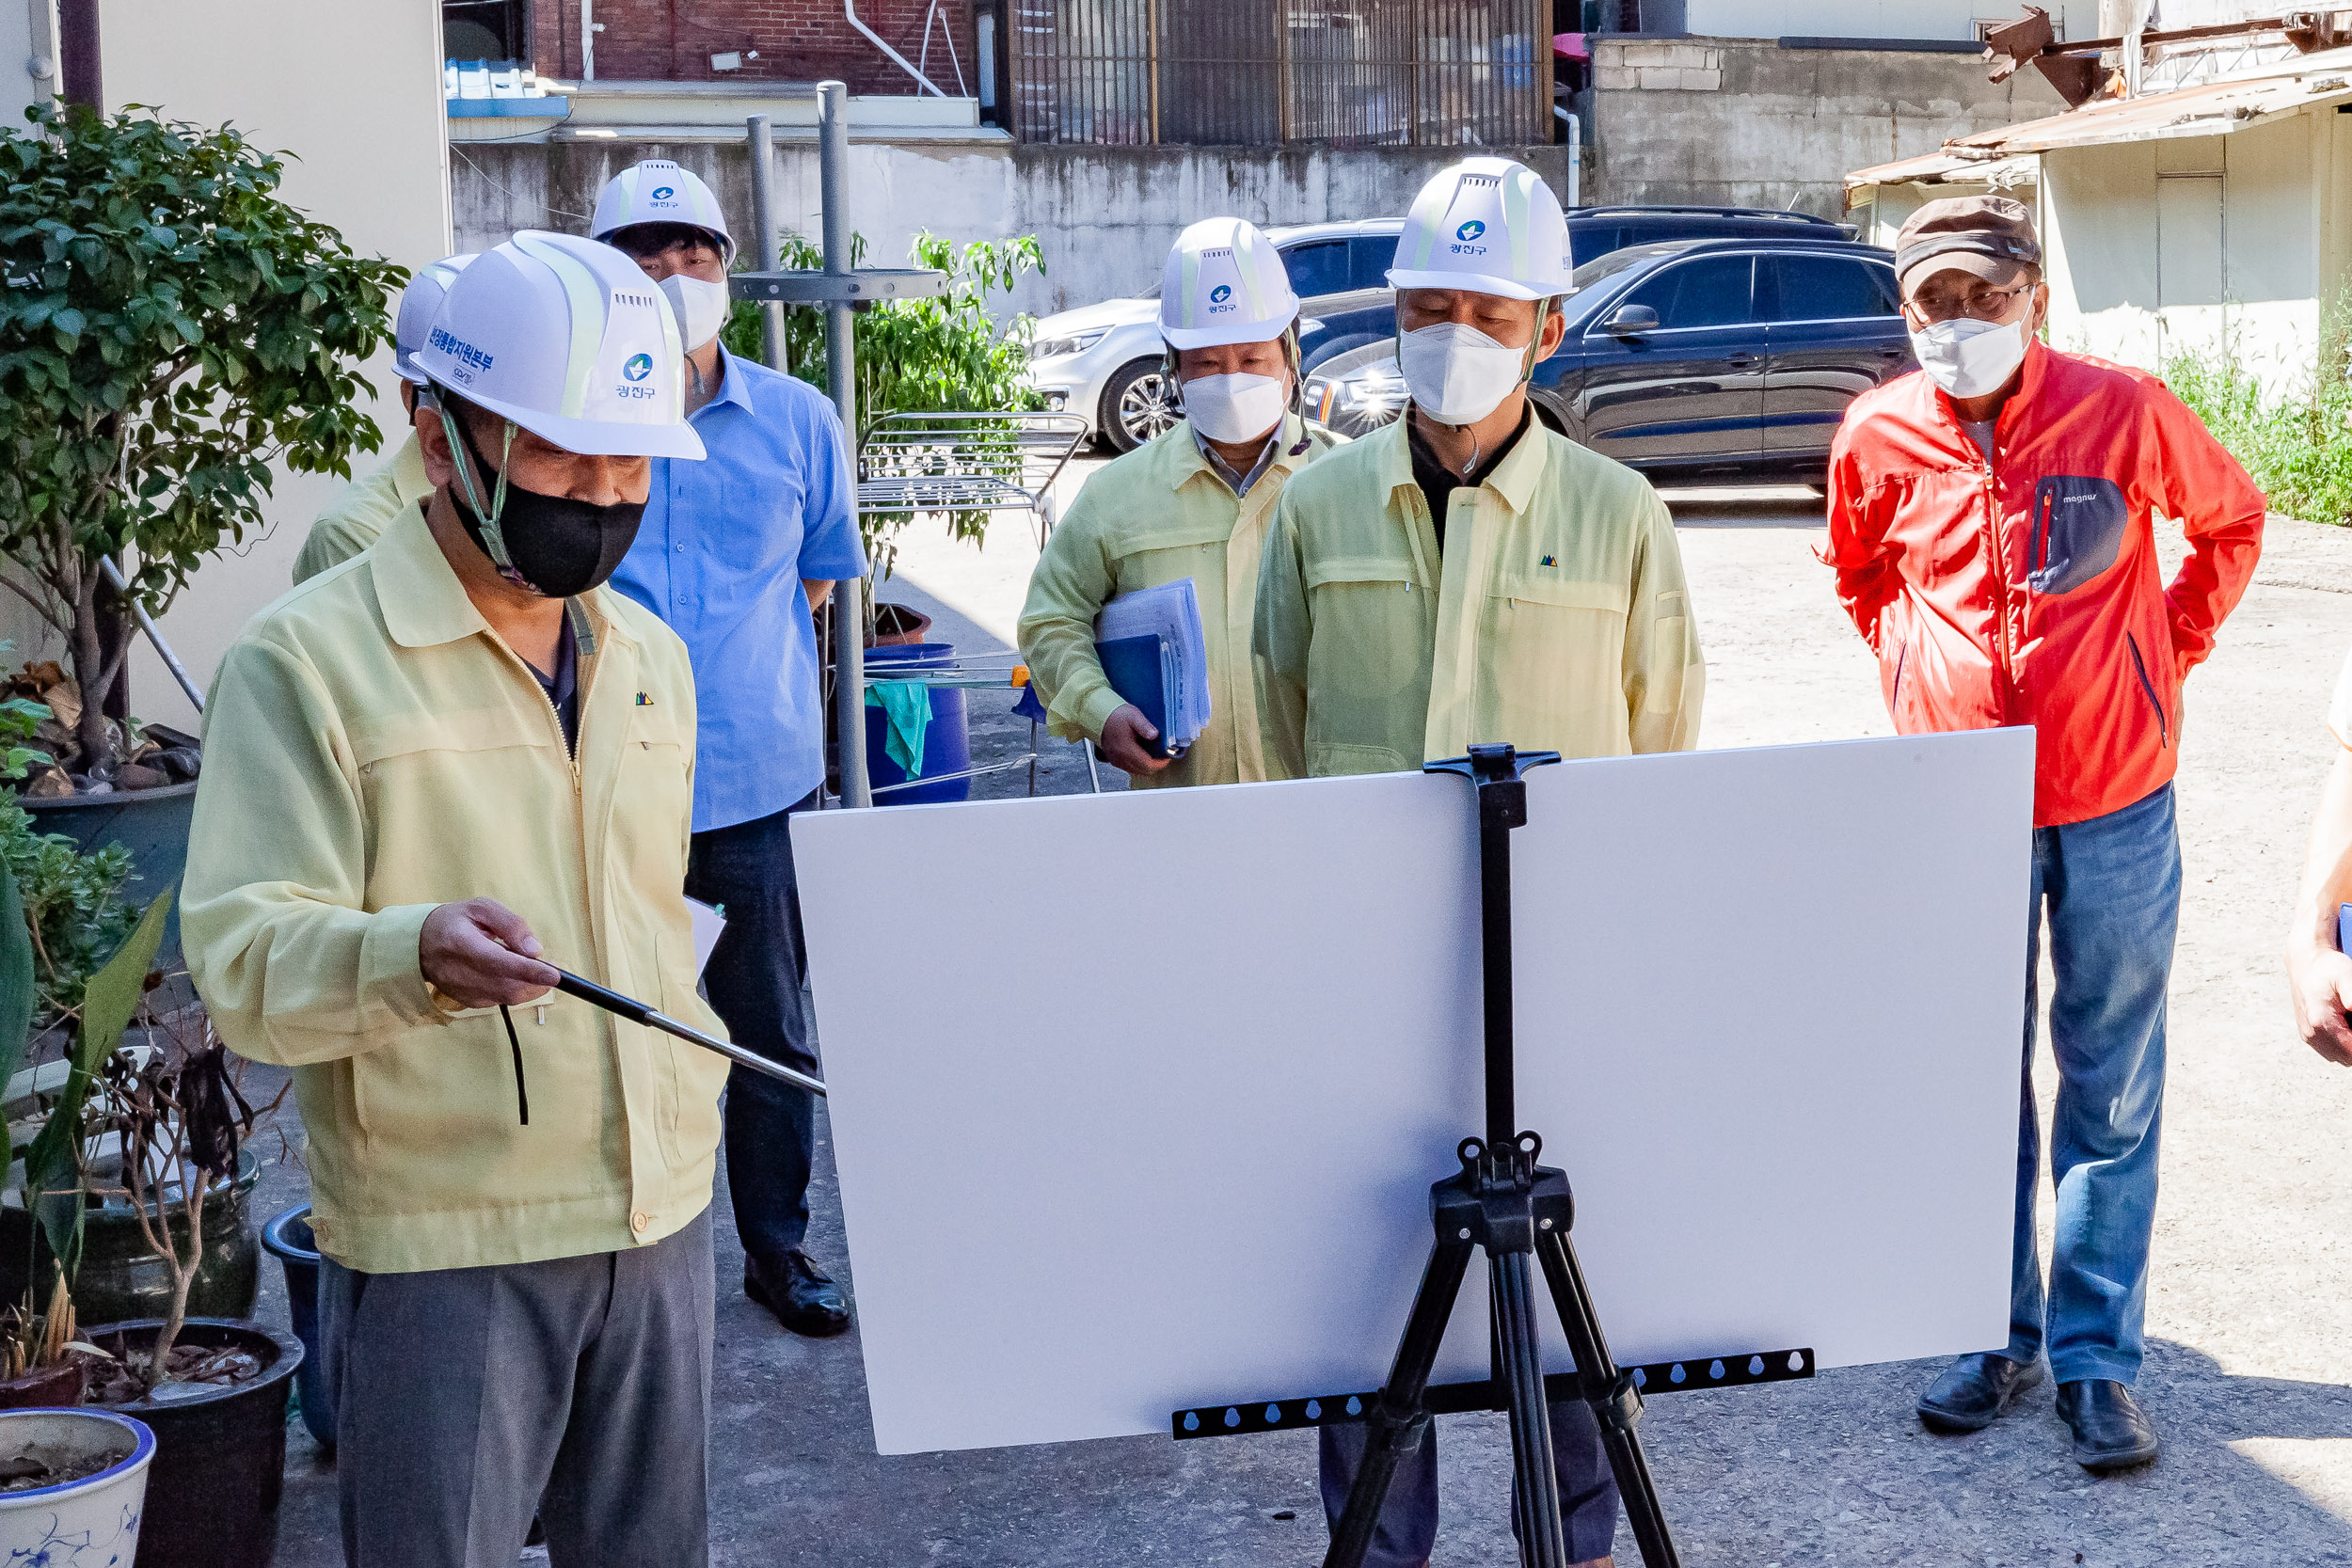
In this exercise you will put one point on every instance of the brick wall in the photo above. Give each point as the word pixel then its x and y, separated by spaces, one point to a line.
pixel 799 41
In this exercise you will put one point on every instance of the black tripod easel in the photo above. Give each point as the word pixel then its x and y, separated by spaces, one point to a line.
pixel 1519 1213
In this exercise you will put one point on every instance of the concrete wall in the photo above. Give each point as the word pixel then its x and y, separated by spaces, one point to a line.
pixel 2163 248
pixel 1741 123
pixel 1106 215
pixel 1875 19
pixel 370 161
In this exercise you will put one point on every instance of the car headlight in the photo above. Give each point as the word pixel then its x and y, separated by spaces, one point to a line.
pixel 1076 343
pixel 1375 389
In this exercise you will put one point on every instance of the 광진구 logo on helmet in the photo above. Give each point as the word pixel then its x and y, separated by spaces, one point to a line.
pixel 1219 295
pixel 1470 230
pixel 663 193
pixel 638 367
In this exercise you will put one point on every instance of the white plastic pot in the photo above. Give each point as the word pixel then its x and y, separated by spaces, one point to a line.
pixel 91 1523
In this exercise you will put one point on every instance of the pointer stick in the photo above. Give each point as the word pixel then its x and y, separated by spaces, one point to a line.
pixel 637 1012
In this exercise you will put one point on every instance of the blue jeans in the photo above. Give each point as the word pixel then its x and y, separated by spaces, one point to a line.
pixel 2112 887
pixel 1409 1519
pixel 758 981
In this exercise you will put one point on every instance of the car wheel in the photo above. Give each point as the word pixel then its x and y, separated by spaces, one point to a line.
pixel 1136 405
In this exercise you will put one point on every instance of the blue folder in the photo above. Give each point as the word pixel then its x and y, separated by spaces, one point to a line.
pixel 2344 928
pixel 1137 668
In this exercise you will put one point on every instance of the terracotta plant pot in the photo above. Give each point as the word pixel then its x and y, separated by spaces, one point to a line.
pixel 896 624
pixel 59 1385
pixel 220 1453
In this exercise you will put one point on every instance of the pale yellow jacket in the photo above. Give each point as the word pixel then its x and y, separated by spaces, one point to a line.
pixel 1158 515
pixel 1557 619
pixel 363 509
pixel 372 751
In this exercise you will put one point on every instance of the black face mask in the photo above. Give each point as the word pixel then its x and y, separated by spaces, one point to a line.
pixel 558 546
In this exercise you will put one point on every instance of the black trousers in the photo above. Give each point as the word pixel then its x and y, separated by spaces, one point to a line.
pixel 758 981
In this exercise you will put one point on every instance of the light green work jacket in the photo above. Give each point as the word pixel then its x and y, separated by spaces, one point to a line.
pixel 372 749
pixel 1556 620
pixel 1157 514
pixel 363 509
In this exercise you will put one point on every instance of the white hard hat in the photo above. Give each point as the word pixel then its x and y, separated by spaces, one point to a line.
pixel 1224 284
pixel 565 338
pixel 1488 225
pixel 417 303
pixel 658 191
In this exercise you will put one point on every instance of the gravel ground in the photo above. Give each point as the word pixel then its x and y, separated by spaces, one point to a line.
pixel 2247 1373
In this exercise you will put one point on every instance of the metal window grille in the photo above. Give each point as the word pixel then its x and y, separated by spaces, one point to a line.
pixel 1242 73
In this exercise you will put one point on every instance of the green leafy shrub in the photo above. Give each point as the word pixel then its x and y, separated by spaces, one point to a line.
pixel 2295 443
pixel 168 329
pixel 73 905
pixel 945 355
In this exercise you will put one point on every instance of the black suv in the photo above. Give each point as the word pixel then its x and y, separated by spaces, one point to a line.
pixel 1340 270
pixel 1693 358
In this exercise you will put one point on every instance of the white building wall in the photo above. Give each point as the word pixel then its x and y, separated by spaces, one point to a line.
pixel 354 92
pixel 2189 244
pixel 1875 19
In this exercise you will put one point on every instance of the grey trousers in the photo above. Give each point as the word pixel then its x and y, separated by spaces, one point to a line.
pixel 469 1398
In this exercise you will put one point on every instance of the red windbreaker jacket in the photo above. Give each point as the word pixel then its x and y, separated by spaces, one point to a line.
pixel 2025 589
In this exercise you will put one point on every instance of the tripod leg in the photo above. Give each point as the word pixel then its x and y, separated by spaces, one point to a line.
pixel 1398 1422
pixel 1610 1393
pixel 1542 1540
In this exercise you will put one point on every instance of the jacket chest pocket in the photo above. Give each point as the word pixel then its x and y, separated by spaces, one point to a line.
pixel 1557 643
pixel 2077 531
pixel 1373 627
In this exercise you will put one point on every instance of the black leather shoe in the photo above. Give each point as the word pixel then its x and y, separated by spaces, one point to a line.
pixel 2111 1432
pixel 1974 1390
pixel 805 1300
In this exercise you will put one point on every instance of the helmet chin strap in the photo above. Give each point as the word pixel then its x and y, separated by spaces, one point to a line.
pixel 487 514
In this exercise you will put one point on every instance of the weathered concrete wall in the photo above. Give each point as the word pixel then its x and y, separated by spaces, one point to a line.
pixel 1106 215
pixel 1745 123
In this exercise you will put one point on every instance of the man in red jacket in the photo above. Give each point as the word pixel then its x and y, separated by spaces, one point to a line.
pixel 1990 524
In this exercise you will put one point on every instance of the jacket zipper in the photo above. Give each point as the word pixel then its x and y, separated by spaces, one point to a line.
pixel 2164 731
pixel 1895 700
pixel 2000 577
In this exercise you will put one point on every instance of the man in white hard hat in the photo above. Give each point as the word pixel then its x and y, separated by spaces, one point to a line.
pixel 1192 502
pixel 734 553
pixel 431 773
pixel 364 508
pixel 1466 575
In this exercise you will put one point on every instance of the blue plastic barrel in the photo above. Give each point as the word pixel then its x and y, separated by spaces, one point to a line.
pixel 289 1240
pixel 947 745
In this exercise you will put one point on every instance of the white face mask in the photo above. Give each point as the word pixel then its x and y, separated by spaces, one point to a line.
pixel 1968 358
pixel 701 307
pixel 1235 408
pixel 1456 373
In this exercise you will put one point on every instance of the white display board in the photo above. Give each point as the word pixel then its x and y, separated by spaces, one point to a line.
pixel 1136 1099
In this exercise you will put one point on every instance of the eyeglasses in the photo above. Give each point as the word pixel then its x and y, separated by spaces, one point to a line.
pixel 1984 305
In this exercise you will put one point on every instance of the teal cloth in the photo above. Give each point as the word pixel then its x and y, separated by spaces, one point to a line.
pixel 907 714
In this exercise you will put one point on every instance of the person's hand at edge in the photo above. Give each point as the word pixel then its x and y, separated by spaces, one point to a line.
pixel 2321 981
pixel 479 954
pixel 1124 733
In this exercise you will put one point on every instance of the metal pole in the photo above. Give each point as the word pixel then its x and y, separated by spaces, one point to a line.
pixel 113 574
pixel 771 339
pixel 77 42
pixel 848 608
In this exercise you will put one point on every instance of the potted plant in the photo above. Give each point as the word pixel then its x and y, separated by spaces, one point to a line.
pixel 170 329
pixel 73 1486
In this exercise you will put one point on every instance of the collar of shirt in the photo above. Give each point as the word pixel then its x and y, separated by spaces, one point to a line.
pixel 732 387
pixel 1240 483
pixel 1512 471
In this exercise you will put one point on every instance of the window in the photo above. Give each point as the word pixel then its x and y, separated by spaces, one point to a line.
pixel 1317 268
pixel 485 30
pixel 1827 288
pixel 1711 290
pixel 1591 241
pixel 1370 258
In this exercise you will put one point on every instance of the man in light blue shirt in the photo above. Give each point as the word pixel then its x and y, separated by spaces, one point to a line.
pixel 734 553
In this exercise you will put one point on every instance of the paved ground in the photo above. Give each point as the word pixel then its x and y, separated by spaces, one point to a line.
pixel 2249 1365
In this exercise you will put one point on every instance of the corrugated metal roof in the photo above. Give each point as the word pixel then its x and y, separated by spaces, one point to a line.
pixel 1935 169
pixel 2210 109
